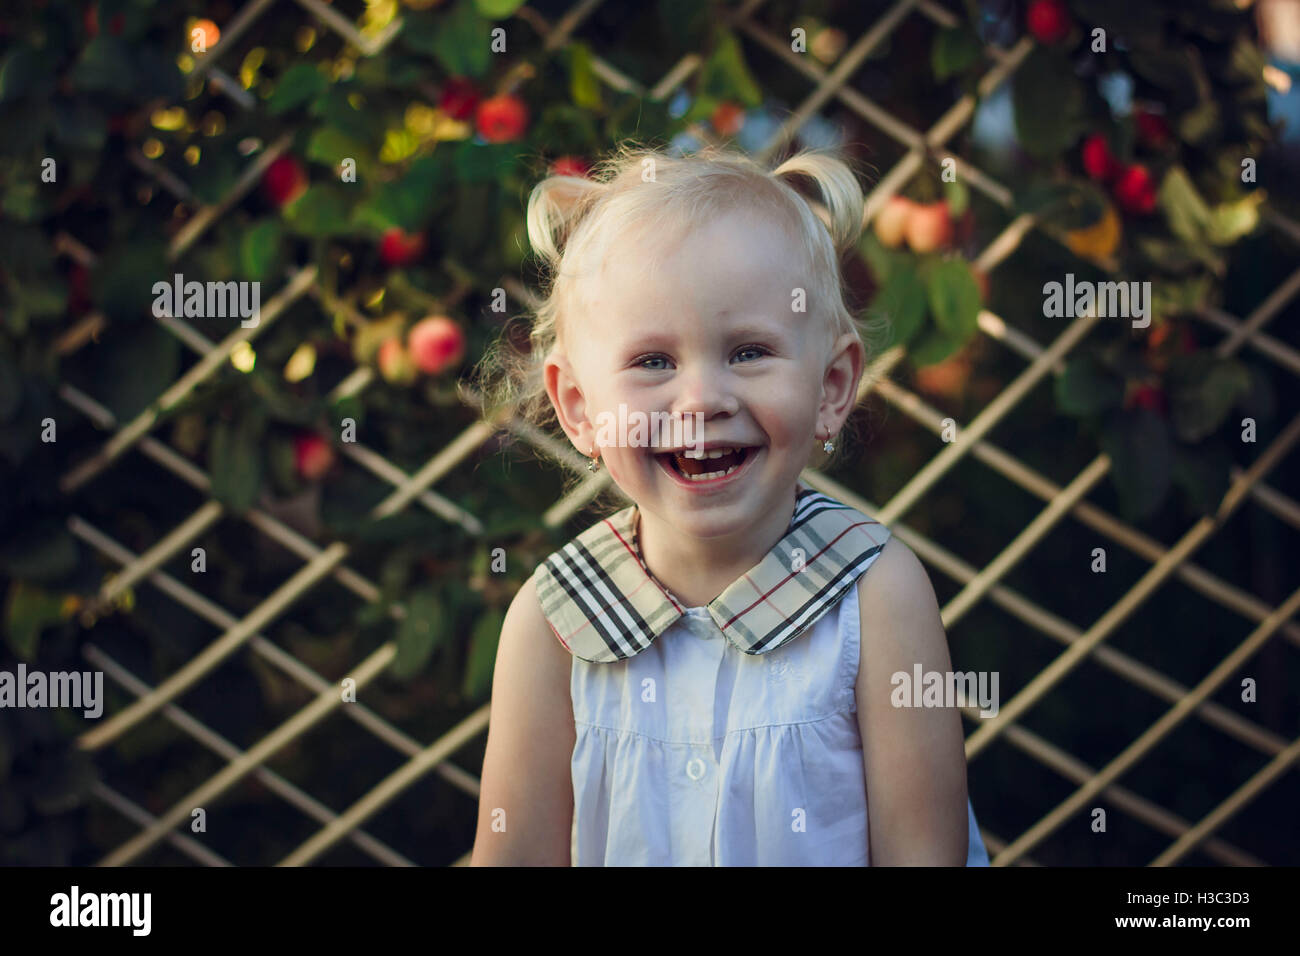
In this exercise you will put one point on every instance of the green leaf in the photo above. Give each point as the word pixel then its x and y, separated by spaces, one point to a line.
pixel 1049 104
pixel 1175 297
pixel 419 633
pixel 933 347
pixel 329 146
pixel 1203 472
pixel 1086 388
pixel 484 163
pixel 300 84
pixel 584 88
pixel 1069 205
pixel 259 250
pixel 902 301
pixel 133 367
pixel 1230 221
pixel 882 261
pixel 459 38
pixel 410 201
pixel 1202 390
pixel 320 211
pixel 22 71
pixel 1247 61
pixel 1187 213
pixel 725 75
pixel 701 108
pixel 957 196
pixel 954 298
pixel 78 124
pixel 1169 69
pixel 236 462
pixel 28 611
pixel 394 69
pixel 106 65
pixel 43 552
pixel 28 200
pixel 1192 219
pixel 122 281
pixel 497 9
pixel 1199 123
pixel 955 49
pixel 482 654
pixel 1141 450
pixel 685 23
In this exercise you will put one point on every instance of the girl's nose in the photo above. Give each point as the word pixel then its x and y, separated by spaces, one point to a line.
pixel 700 392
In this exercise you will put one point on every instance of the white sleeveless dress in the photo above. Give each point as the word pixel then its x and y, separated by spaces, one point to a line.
pixel 692 750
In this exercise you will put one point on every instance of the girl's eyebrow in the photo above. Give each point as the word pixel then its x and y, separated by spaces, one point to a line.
pixel 657 339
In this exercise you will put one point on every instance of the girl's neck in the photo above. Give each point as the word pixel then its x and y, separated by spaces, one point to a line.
pixel 696 571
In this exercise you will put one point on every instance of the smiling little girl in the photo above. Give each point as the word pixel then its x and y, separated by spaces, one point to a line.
pixel 704 676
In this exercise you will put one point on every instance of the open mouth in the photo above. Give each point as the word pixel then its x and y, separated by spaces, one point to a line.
pixel 712 467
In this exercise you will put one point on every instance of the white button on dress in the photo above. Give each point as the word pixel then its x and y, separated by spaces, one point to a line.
pixel 694 753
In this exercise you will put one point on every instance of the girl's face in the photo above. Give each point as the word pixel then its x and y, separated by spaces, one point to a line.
pixel 717 337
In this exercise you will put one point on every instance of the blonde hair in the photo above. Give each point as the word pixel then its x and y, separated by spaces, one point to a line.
pixel 636 190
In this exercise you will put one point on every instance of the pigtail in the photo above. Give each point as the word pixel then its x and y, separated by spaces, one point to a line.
pixel 554 207
pixel 840 191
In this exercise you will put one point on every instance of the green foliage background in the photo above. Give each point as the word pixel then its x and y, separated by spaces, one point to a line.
pixel 89 90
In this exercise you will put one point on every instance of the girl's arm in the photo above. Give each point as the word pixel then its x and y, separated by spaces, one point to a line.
pixel 527 782
pixel 914 757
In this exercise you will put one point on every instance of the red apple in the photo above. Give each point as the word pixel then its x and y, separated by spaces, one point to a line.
pixel 284 180
pixel 208 32
pixel 1149 397
pixel 728 118
pixel 459 98
pixel 1152 129
pixel 570 166
pixel 891 222
pixel 395 363
pixel 400 248
pixel 502 119
pixel 1048 20
pixel 435 344
pixel 312 456
pixel 1135 190
pixel 929 227
pixel 78 289
pixel 1098 161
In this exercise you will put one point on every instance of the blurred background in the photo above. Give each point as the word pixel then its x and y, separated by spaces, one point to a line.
pixel 232 520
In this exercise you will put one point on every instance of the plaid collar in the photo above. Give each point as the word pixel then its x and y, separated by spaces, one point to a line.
pixel 604 605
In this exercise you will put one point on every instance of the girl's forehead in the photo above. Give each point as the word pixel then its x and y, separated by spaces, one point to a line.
pixel 712 254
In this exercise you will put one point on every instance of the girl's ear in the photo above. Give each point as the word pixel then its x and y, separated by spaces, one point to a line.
pixel 570 404
pixel 840 382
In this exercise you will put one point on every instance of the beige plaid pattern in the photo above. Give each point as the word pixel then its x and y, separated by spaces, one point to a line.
pixel 604 605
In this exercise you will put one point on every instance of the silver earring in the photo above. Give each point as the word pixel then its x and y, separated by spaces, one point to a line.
pixel 593 464
pixel 828 446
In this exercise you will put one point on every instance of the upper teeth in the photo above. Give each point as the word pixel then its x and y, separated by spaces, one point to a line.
pixel 715 453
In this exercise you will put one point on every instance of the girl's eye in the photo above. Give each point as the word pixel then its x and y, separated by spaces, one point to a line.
pixel 641 362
